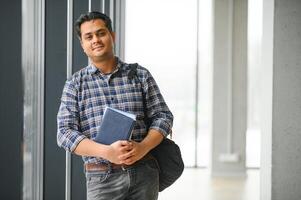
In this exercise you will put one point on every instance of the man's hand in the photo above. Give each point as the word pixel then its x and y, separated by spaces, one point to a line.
pixel 140 149
pixel 137 152
pixel 117 150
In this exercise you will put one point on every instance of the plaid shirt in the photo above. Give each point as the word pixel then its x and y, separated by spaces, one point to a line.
pixel 88 92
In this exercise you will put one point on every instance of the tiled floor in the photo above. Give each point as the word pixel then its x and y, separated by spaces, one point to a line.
pixel 196 184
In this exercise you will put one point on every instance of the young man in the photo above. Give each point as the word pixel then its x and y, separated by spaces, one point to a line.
pixel 124 169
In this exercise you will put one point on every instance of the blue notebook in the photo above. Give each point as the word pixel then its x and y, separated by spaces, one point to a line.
pixel 116 125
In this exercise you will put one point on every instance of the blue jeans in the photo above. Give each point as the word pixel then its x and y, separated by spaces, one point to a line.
pixel 139 182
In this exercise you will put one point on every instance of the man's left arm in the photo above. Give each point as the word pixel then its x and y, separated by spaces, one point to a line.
pixel 160 117
pixel 140 149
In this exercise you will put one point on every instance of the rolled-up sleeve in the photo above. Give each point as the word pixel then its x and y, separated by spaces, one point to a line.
pixel 158 113
pixel 68 131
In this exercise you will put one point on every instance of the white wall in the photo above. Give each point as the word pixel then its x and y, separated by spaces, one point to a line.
pixel 281 146
pixel 286 139
pixel 266 99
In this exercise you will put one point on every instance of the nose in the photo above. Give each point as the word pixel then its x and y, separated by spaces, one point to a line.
pixel 95 38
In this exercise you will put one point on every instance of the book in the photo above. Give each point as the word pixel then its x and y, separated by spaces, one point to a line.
pixel 116 125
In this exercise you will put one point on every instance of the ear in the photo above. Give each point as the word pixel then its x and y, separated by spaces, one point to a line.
pixel 113 36
pixel 81 44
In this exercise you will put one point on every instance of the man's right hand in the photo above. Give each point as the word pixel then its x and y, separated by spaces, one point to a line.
pixel 116 151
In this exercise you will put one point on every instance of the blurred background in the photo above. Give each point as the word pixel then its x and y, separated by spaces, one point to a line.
pixel 230 71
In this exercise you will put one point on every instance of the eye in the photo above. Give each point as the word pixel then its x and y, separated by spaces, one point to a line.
pixel 101 33
pixel 88 37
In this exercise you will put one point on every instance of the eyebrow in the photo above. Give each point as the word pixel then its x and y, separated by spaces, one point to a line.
pixel 98 30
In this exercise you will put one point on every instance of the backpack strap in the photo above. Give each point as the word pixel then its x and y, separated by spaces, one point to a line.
pixel 133 71
pixel 131 75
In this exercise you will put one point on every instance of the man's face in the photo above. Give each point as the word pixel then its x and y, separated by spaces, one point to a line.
pixel 96 40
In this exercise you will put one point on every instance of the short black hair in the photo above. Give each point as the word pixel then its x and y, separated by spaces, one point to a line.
pixel 91 16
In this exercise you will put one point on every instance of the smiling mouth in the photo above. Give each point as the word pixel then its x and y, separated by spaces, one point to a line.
pixel 98 48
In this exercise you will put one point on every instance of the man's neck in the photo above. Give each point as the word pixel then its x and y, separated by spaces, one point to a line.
pixel 106 66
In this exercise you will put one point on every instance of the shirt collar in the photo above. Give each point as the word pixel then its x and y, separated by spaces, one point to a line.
pixel 93 70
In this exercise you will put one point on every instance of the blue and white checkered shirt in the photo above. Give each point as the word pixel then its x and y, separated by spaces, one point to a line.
pixel 88 92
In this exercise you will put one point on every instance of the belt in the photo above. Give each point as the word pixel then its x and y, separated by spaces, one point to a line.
pixel 112 166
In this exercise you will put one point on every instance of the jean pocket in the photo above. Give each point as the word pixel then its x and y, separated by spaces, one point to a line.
pixel 94 179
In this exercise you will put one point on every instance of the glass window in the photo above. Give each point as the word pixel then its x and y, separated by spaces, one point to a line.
pixel 162 36
pixel 254 56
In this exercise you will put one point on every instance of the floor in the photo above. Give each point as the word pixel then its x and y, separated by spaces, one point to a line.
pixel 196 184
